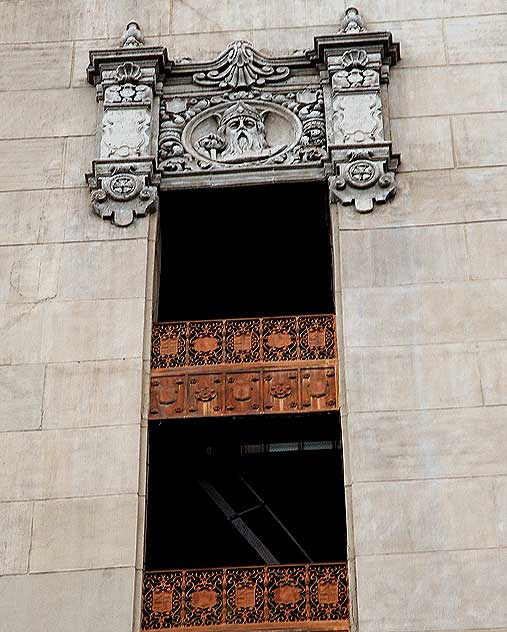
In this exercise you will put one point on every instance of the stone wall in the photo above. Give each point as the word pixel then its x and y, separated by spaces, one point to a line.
pixel 423 304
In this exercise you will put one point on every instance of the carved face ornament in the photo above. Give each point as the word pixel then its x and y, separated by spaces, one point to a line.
pixel 243 130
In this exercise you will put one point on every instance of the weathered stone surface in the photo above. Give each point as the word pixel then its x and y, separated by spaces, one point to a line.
pixel 422 41
pixel 431 591
pixel 66 463
pixel 92 394
pixel 438 197
pixel 500 492
pixel 92 330
pixel 425 314
pixel 30 273
pixel 15 537
pixel 448 90
pixel 426 143
pixel 84 533
pixel 79 601
pixel 31 164
pixel 401 378
pixel 105 269
pixel 21 390
pixel 411 255
pixel 413 10
pixel 79 153
pixel 53 113
pixel 35 66
pixel 493 368
pixel 21 326
pixel 416 516
pixel 428 444
pixel 478 39
pixel 477 139
pixel 487 249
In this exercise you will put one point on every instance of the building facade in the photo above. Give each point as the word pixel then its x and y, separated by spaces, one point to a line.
pixel 418 273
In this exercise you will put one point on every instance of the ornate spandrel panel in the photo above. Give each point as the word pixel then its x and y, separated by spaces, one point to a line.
pixel 303 597
pixel 243 367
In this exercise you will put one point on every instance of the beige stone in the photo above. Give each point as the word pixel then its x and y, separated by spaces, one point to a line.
pixel 66 463
pixel 493 368
pixel 422 254
pixel 92 394
pixel 478 39
pixel 431 515
pixel 412 377
pixel 83 533
pixel 21 326
pixel 92 330
pixel 421 41
pixel 79 153
pixel 476 139
pixel 31 164
pixel 428 444
pixel 79 601
pixel 425 314
pixel 35 66
pixel 438 197
pixel 500 492
pixel 103 269
pixel 447 90
pixel 487 249
pixel 426 143
pixel 30 273
pixel 21 389
pixel 15 537
pixel 54 113
pixel 413 10
pixel 432 591
pixel 78 19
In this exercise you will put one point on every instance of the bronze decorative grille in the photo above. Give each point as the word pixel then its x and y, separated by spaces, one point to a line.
pixel 305 596
pixel 243 366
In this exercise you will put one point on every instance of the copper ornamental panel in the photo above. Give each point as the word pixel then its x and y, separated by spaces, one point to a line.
pixel 243 367
pixel 306 597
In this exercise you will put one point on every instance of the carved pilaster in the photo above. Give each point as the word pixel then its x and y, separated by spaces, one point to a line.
pixel 124 178
pixel 358 64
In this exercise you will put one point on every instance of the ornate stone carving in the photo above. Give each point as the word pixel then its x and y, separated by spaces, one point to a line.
pixel 124 181
pixel 240 67
pixel 123 194
pixel 352 22
pixel 242 129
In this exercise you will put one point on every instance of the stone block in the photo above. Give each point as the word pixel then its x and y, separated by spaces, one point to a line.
pixel 31 164
pixel 432 591
pixel 68 112
pixel 426 143
pixel 67 463
pixel 478 39
pixel 500 491
pixel 78 19
pixel 21 325
pixel 430 515
pixel 84 533
pixel 477 139
pixel 414 10
pixel 447 90
pixel 79 601
pixel 493 368
pixel 422 41
pixel 451 196
pixel 425 314
pixel 35 66
pixel 422 254
pixel 79 153
pixel 418 377
pixel 93 330
pixel 92 394
pixel 15 537
pixel 103 269
pixel 487 249
pixel 30 273
pixel 428 444
pixel 21 389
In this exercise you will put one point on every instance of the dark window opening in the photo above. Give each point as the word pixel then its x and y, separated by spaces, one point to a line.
pixel 245 491
pixel 245 252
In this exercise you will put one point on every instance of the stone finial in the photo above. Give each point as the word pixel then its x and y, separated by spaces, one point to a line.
pixel 132 37
pixel 352 22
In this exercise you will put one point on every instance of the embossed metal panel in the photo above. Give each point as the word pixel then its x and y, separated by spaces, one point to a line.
pixel 243 366
pixel 276 597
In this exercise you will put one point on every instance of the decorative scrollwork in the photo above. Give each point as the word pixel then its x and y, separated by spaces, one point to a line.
pixel 245 596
